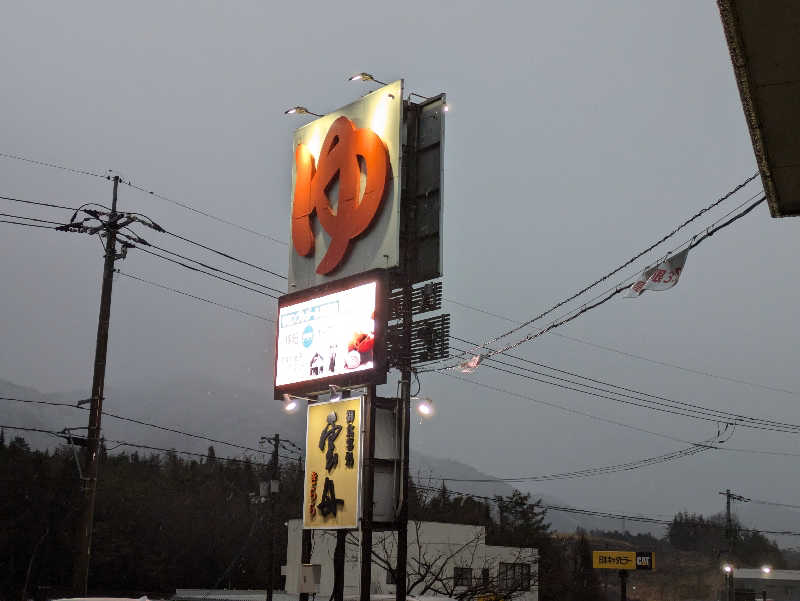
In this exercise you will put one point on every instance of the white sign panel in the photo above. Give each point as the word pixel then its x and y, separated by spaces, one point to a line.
pixel 345 216
pixel 327 336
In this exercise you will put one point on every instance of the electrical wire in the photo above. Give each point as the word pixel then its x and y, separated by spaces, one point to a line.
pixel 142 241
pixel 625 353
pixel 38 203
pixel 46 227
pixel 591 471
pixel 31 219
pixel 630 261
pixel 148 424
pixel 690 413
pixel 603 297
pixel 200 298
pixel 201 212
pixel 226 255
pixel 591 512
pixel 598 418
pixel 683 407
pixel 195 269
pixel 774 504
pixel 52 165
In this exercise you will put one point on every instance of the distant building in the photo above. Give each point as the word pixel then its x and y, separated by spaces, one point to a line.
pixel 443 560
pixel 776 585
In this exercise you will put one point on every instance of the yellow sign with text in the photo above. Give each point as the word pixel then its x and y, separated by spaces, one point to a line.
pixel 614 560
pixel 331 489
pixel 624 560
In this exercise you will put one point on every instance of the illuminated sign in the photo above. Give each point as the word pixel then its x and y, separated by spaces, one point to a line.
pixel 331 491
pixel 345 216
pixel 624 560
pixel 329 338
pixel 339 158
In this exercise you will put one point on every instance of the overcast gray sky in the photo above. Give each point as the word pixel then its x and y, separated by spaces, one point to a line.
pixel 579 133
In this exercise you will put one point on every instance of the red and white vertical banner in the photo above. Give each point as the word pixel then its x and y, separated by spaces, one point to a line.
pixel 661 277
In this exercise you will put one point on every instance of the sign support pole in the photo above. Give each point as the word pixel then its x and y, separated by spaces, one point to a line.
pixel 368 453
pixel 623 585
pixel 408 197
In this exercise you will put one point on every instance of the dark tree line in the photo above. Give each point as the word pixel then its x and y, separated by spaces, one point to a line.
pixel 161 522
pixel 164 522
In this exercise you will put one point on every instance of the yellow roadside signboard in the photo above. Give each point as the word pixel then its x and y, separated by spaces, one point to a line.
pixel 614 560
pixel 624 560
pixel 331 489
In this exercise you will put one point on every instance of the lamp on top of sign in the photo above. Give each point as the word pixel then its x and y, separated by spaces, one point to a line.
pixel 331 490
pixel 345 216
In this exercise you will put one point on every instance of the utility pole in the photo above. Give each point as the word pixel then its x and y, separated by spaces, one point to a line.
pixel 273 476
pixel 81 573
pixel 730 535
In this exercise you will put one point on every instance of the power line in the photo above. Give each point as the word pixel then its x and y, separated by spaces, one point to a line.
pixel 592 471
pixel 144 242
pixel 697 414
pixel 46 227
pixel 593 512
pixel 625 353
pixel 200 298
pixel 31 218
pixel 146 191
pixel 629 261
pixel 53 165
pixel 559 508
pixel 226 255
pixel 592 416
pixel 683 407
pixel 204 213
pixel 695 241
pixel 774 504
pixel 604 297
pixel 38 203
pixel 147 424
pixel 191 268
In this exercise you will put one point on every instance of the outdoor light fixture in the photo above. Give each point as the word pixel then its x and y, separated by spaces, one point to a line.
pixel 336 392
pixel 727 568
pixel 766 569
pixel 446 108
pixel 425 407
pixel 289 403
pixel 299 110
pixel 365 77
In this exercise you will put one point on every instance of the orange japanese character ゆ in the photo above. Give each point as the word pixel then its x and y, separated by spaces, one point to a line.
pixel 339 157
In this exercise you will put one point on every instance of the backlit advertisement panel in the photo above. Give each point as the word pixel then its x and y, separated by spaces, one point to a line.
pixel 331 489
pixel 328 338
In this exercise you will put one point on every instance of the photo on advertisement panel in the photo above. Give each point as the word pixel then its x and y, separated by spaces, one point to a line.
pixel 327 336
